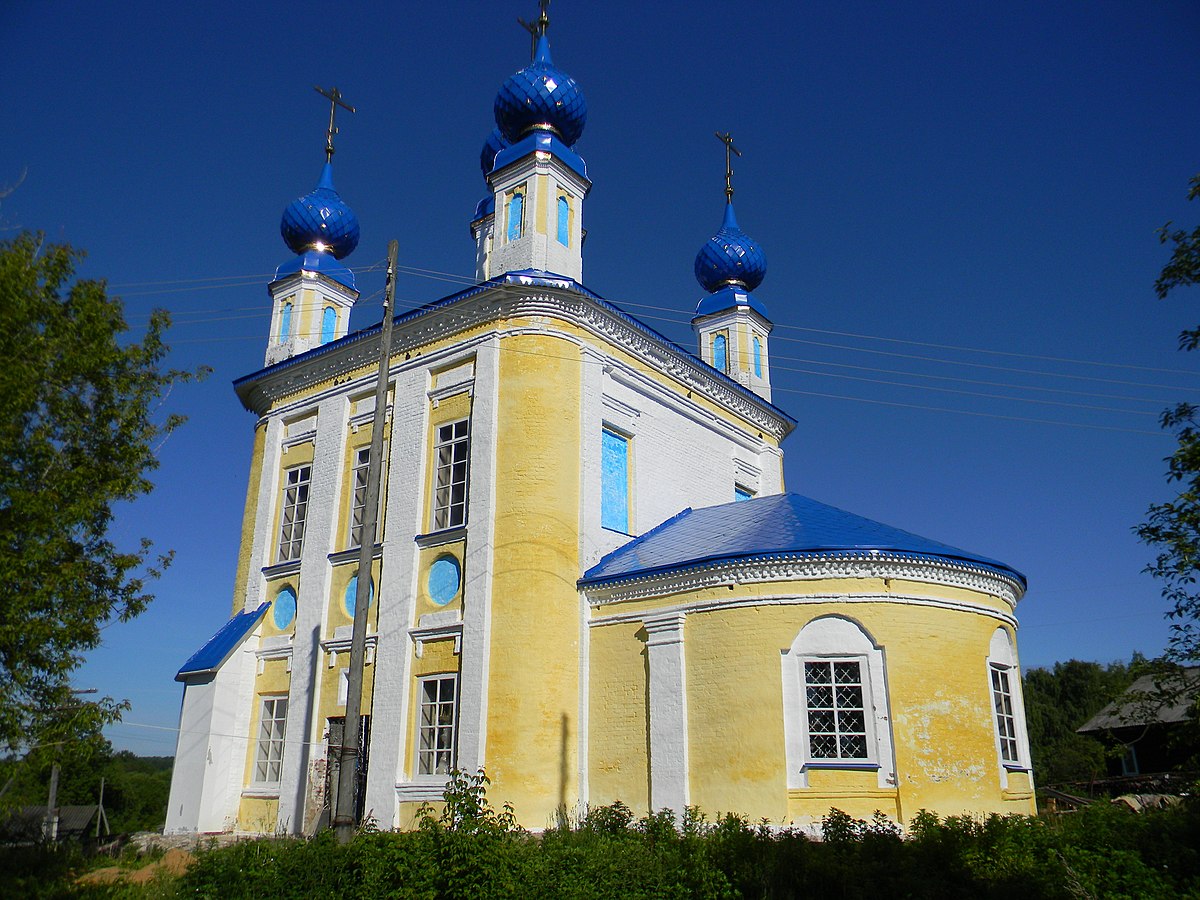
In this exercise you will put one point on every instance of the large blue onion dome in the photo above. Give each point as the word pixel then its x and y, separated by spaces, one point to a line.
pixel 496 141
pixel 730 257
pixel 320 220
pixel 541 96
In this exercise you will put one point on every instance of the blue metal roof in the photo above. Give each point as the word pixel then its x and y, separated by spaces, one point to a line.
pixel 730 257
pixel 782 525
pixel 540 95
pixel 730 297
pixel 213 654
pixel 316 261
pixel 545 141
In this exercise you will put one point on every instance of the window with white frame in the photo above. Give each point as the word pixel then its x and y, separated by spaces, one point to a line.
pixel 436 724
pixel 1008 710
pixel 614 481
pixel 451 451
pixel 272 724
pixel 294 512
pixel 835 704
pixel 835 709
pixel 358 495
pixel 1006 721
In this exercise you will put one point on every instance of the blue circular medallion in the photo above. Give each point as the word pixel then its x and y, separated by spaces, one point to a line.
pixel 445 576
pixel 283 610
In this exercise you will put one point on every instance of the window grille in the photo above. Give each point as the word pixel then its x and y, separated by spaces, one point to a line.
pixel 835 699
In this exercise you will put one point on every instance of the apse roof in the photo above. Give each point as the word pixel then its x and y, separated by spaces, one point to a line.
pixel 782 525
pixel 213 654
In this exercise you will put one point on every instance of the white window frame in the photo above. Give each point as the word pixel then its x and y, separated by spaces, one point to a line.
pixel 272 739
pixel 836 639
pixel 1002 658
pixel 293 511
pixel 839 735
pixel 446 512
pixel 358 494
pixel 426 759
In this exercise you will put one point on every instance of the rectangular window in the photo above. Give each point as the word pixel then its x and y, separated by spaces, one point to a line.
pixel 450 452
pixel 742 493
pixel 836 708
pixel 271 726
pixel 295 511
pixel 358 495
pixel 436 727
pixel 1006 721
pixel 614 482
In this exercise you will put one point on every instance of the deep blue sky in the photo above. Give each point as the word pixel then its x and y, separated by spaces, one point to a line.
pixel 966 191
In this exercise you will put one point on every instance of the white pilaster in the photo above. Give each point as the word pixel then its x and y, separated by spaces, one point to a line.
pixel 668 712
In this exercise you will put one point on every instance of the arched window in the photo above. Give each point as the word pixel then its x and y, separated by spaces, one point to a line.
pixel 757 358
pixel 1008 707
pixel 285 321
pixel 328 324
pixel 835 704
pixel 283 610
pixel 516 207
pixel 564 216
pixel 719 355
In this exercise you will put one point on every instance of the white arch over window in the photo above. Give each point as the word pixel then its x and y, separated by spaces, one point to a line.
pixel 835 647
pixel 1009 730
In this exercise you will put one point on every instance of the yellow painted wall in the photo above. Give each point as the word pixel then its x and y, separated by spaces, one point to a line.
pixel 938 690
pixel 618 718
pixel 533 698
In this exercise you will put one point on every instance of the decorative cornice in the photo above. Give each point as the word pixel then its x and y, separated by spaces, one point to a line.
pixel 494 303
pixel 805 567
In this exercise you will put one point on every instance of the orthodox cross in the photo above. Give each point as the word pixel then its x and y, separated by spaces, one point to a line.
pixel 334 96
pixel 538 26
pixel 730 151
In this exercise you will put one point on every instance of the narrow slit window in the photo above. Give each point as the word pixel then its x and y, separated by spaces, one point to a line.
pixel 757 358
pixel 328 324
pixel 564 220
pixel 516 209
pixel 719 354
pixel 358 496
pixel 285 322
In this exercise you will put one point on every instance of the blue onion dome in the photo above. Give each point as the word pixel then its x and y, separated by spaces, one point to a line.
pixel 496 141
pixel 320 220
pixel 730 257
pixel 541 96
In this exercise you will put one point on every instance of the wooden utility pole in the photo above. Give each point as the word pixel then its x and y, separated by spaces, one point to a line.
pixel 343 818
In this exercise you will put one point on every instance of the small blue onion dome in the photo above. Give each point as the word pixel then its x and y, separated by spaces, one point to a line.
pixel 320 220
pixel 730 257
pixel 496 141
pixel 541 96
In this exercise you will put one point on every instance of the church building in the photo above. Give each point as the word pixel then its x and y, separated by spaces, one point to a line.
pixel 588 578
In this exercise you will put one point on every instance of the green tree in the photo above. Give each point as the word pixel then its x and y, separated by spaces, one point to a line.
pixel 79 427
pixel 1174 527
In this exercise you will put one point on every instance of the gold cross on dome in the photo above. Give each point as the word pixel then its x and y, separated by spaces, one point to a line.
pixel 538 26
pixel 334 96
pixel 730 152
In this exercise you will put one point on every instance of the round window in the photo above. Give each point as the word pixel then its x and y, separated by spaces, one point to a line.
pixel 444 579
pixel 352 595
pixel 283 610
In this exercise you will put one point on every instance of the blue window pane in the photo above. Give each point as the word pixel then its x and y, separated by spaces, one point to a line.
pixel 283 610
pixel 515 206
pixel 740 493
pixel 564 213
pixel 285 322
pixel 445 576
pixel 328 324
pixel 352 595
pixel 757 358
pixel 719 352
pixel 614 482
